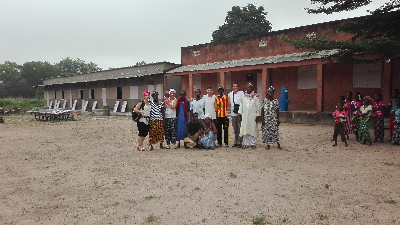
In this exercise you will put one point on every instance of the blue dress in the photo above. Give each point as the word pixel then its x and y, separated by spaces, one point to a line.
pixel 181 124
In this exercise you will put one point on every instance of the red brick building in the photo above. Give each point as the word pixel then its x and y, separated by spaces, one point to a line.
pixel 313 85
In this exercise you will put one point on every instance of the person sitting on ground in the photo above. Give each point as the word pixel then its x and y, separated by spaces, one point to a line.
pixel 210 133
pixel 396 125
pixel 340 116
pixel 193 132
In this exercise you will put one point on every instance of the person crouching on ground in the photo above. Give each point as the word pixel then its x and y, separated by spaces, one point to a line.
pixel 365 113
pixel 193 132
pixel 210 133
pixel 144 122
pixel 340 116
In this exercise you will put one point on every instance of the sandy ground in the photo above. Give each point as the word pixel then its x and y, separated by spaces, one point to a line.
pixel 87 172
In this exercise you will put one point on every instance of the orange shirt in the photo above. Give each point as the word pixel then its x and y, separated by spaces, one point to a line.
pixel 221 105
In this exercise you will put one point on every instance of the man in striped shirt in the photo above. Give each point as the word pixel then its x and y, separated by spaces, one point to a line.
pixel 221 108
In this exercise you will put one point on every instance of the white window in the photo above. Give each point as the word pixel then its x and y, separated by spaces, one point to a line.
pixel 367 75
pixel 307 77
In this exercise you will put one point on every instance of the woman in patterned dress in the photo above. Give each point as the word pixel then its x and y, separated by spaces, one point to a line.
pixel 156 133
pixel 355 108
pixel 365 113
pixel 270 122
pixel 396 124
pixel 377 108
pixel 348 101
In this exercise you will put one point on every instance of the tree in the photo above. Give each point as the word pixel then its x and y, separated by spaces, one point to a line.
pixel 376 33
pixel 75 66
pixel 11 84
pixel 33 74
pixel 240 22
pixel 142 63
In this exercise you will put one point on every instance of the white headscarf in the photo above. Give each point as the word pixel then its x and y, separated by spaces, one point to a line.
pixel 171 90
pixel 207 115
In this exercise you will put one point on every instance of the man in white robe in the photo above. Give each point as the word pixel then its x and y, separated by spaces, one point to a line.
pixel 249 109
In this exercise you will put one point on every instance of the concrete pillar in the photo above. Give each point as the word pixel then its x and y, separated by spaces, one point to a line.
pixel 190 91
pixel 266 81
pixel 222 79
pixel 165 85
pixel 385 82
pixel 320 87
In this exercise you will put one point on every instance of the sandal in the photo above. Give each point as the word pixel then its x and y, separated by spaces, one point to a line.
pixel 167 147
pixel 253 147
pixel 334 145
pixel 268 147
pixel 345 145
pixel 280 148
pixel 174 146
pixel 245 146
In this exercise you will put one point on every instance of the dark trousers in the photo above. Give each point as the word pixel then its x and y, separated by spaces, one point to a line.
pixel 339 128
pixel 220 125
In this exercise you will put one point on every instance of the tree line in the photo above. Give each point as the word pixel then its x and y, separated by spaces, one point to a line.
pixel 22 80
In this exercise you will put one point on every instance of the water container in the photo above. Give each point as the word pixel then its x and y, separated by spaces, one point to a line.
pixel 284 101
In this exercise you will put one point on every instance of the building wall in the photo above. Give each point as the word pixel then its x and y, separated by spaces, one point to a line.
pixel 248 47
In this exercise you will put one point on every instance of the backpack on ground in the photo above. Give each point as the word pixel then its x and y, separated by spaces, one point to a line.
pixel 136 116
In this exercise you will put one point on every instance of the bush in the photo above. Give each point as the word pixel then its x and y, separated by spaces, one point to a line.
pixel 20 103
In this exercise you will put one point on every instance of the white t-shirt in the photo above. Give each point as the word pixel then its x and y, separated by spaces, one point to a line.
pixel 238 97
pixel 170 113
pixel 209 105
pixel 198 106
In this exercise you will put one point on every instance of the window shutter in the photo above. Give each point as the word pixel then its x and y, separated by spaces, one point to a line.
pixel 307 77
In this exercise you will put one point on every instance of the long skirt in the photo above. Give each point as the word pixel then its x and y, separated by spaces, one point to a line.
pixel 156 133
pixel 349 123
pixel 378 127
pixel 181 126
pixel 355 124
pixel 269 136
pixel 364 126
pixel 391 124
pixel 396 134
pixel 208 139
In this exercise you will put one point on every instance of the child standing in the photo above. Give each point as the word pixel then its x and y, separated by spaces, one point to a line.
pixel 396 127
pixel 365 113
pixel 377 107
pixel 340 118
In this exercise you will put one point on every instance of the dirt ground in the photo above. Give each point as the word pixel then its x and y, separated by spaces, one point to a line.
pixel 88 172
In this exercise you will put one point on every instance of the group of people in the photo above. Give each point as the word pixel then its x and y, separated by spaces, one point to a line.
pixel 201 122
pixel 352 117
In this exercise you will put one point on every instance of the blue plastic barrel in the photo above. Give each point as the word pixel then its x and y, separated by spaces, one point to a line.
pixel 284 101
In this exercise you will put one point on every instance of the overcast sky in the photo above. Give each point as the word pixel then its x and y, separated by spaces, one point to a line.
pixel 120 33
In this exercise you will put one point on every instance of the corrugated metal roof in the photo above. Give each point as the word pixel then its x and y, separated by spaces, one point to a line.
pixel 253 61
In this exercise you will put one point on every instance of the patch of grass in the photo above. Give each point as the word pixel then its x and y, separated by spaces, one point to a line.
pixel 388 164
pixel 305 149
pixel 321 216
pixel 76 216
pixel 391 201
pixel 282 196
pixel 204 220
pixel 258 220
pixel 327 186
pixel 150 197
pixel 151 218
pixel 232 175
pixel 196 188
pixel 116 182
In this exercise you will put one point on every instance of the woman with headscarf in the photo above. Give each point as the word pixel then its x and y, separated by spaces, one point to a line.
pixel 144 122
pixel 156 133
pixel 270 120
pixel 210 132
pixel 170 119
pixel 250 110
pixel 365 113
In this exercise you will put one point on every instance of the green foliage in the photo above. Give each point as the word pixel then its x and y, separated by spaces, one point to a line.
pixel 75 66
pixel 142 63
pixel 376 33
pixel 20 103
pixel 40 93
pixel 240 22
